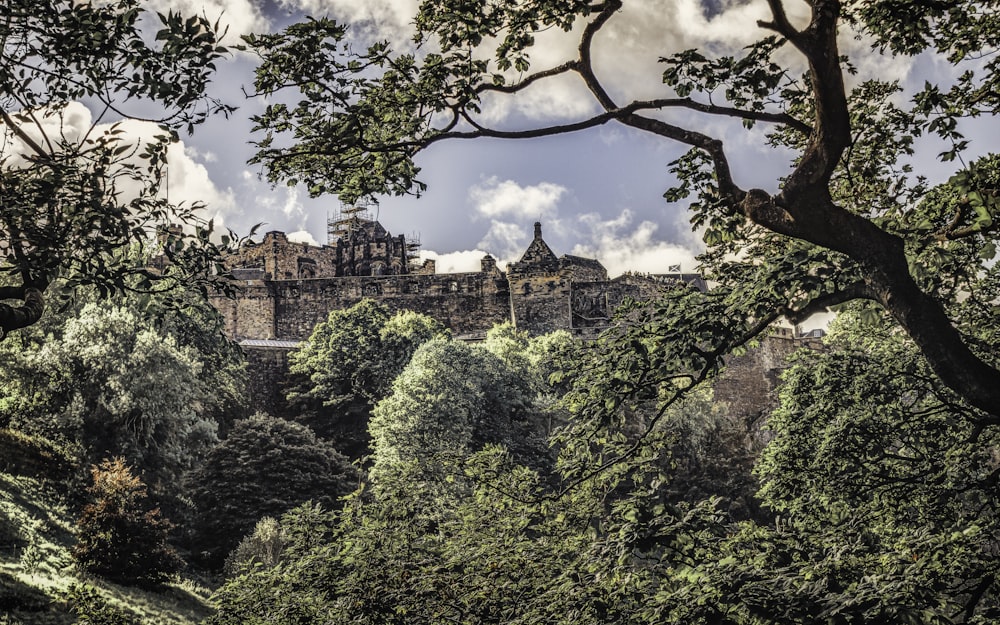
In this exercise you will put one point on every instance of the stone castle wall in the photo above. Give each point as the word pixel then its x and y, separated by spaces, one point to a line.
pixel 467 303
pixel 288 288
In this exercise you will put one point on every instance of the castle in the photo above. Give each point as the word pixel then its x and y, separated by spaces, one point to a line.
pixel 287 288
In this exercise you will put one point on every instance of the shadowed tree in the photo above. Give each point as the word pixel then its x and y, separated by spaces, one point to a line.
pixel 75 199
pixel 265 467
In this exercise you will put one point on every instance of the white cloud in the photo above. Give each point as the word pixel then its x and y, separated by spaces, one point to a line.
pixel 455 262
pixel 292 207
pixel 302 236
pixel 622 247
pixel 69 123
pixel 505 240
pixel 494 198
pixel 187 180
pixel 378 19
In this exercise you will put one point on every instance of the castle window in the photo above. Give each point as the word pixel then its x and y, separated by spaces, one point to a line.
pixel 371 290
pixel 307 268
pixel 453 286
pixel 413 287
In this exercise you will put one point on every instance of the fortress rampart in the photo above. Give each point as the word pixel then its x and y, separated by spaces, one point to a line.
pixel 288 288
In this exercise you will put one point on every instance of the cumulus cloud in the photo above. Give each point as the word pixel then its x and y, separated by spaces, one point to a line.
pixel 70 122
pixel 302 236
pixel 377 19
pixel 187 179
pixel 622 246
pixel 455 262
pixel 494 198
pixel 505 240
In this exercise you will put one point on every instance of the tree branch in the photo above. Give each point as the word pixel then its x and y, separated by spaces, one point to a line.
pixel 528 80
pixel 585 68
pixel 857 290
pixel 780 23
pixel 13 318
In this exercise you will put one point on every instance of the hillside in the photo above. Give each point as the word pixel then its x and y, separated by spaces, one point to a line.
pixel 37 571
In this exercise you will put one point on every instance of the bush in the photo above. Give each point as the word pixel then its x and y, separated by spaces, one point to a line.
pixel 265 467
pixel 264 547
pixel 35 456
pixel 92 609
pixel 15 595
pixel 120 537
pixel 11 535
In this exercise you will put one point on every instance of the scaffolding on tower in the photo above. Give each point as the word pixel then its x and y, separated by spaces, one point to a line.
pixel 413 249
pixel 348 219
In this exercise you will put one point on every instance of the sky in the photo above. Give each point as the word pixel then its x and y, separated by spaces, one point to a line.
pixel 598 193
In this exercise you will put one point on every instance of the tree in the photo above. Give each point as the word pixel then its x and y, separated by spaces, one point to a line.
pixel 883 485
pixel 501 553
pixel 120 536
pixel 75 199
pixel 850 222
pixel 120 380
pixel 348 364
pixel 265 467
pixel 439 413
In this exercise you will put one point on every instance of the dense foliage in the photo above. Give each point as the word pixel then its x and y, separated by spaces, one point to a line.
pixel 120 536
pixel 439 413
pixel 348 364
pixel 75 199
pixel 265 467
pixel 137 379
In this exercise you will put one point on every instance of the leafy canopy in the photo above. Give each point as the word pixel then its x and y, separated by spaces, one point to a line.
pixel 77 191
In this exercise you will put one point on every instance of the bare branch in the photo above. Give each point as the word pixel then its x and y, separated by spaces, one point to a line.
pixel 857 290
pixel 535 77
pixel 585 68
pixel 780 23
pixel 23 136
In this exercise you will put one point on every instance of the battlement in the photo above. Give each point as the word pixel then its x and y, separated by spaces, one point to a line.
pixel 289 287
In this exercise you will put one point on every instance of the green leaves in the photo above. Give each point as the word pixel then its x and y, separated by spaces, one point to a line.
pixel 77 199
pixel 751 82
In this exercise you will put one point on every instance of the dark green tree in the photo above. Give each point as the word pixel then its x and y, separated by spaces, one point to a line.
pixel 848 222
pixel 76 199
pixel 265 467
pixel 348 364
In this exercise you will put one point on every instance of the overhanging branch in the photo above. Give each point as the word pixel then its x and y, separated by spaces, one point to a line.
pixel 16 317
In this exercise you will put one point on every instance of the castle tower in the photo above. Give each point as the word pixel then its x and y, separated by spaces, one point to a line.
pixel 364 248
pixel 538 293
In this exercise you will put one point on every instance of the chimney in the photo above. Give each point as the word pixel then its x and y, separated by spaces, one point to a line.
pixel 538 230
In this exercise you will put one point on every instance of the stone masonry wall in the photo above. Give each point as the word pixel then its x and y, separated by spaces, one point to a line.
pixel 250 314
pixel 539 302
pixel 284 260
pixel 267 369
pixel 468 303
pixel 749 382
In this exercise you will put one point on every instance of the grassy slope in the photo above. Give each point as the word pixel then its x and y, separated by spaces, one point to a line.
pixel 36 534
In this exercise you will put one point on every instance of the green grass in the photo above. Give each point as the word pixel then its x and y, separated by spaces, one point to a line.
pixel 36 569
